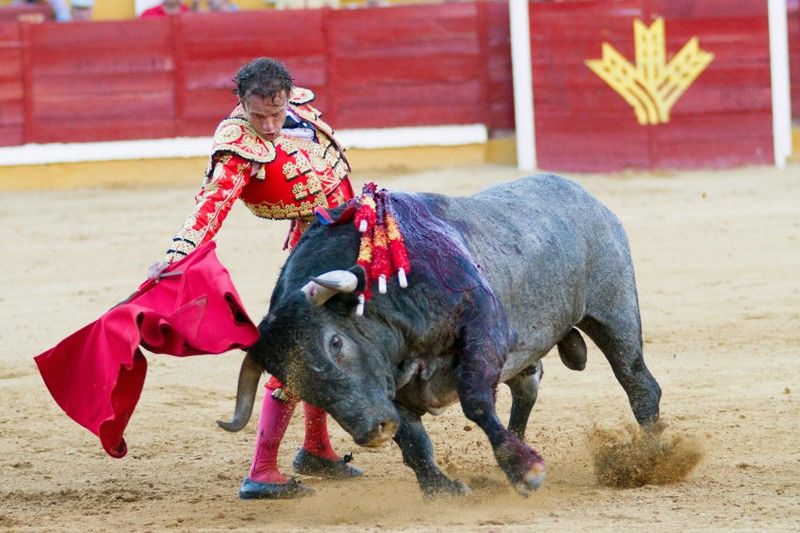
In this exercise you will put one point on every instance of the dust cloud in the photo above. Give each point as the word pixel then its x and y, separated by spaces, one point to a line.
pixel 630 457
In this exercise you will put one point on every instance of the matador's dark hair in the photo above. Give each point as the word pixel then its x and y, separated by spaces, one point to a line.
pixel 265 77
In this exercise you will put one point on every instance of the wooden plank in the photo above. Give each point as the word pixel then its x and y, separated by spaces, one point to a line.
pixel 101 81
pixel 211 47
pixel 724 118
pixel 99 129
pixel 727 106
pixel 11 91
pixel 132 35
pixel 406 66
pixel 581 123
pixel 390 105
pixel 11 135
pixel 248 34
pixel 793 28
pixel 603 143
pixel 69 106
pixel 107 85
pixel 12 116
pixel 498 65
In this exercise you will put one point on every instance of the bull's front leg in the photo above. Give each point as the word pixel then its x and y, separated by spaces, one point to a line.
pixel 418 454
pixel 477 375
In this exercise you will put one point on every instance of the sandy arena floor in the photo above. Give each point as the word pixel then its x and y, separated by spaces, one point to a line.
pixel 718 265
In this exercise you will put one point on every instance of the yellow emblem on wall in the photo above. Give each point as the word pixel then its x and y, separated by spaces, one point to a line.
pixel 651 86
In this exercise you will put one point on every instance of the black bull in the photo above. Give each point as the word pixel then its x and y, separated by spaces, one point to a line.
pixel 498 279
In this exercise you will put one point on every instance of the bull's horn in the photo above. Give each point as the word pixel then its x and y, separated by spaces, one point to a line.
pixel 338 280
pixel 316 294
pixel 320 289
pixel 249 375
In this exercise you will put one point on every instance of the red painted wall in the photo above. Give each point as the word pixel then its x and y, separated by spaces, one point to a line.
pixel 793 7
pixel 210 48
pixel 95 81
pixel 723 119
pixel 11 85
pixel 404 66
pixel 383 67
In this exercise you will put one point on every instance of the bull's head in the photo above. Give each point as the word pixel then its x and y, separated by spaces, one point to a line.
pixel 314 342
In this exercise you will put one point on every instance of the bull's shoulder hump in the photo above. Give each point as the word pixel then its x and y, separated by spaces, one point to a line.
pixel 545 186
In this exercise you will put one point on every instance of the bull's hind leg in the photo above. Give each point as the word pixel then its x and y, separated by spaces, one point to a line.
pixel 619 337
pixel 418 455
pixel 524 390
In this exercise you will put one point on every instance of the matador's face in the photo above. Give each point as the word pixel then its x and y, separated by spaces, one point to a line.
pixel 266 114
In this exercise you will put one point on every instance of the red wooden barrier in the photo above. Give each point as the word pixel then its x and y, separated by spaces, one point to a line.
pixel 211 47
pixel 92 81
pixel 581 123
pixel 406 66
pixel 493 21
pixel 723 119
pixel 794 55
pixel 11 91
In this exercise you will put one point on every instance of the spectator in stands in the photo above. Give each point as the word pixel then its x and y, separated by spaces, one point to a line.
pixel 276 155
pixel 215 6
pixel 81 10
pixel 303 4
pixel 167 7
pixel 221 5
pixel 59 8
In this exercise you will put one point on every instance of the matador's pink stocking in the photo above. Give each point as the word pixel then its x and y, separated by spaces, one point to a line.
pixel 275 417
pixel 317 440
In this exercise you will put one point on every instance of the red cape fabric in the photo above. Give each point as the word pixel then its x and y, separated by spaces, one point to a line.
pixel 96 374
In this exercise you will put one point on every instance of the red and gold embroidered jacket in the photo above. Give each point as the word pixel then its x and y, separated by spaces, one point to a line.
pixel 282 179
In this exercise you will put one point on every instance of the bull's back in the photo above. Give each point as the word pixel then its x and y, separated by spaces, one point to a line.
pixel 549 249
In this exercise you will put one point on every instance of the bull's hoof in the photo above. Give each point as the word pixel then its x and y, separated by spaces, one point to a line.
pixel 524 467
pixel 444 487
pixel 532 479
pixel 308 464
pixel 253 490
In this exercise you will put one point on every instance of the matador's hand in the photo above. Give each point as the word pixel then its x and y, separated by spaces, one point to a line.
pixel 154 271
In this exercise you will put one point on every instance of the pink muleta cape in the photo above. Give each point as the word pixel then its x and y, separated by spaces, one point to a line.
pixel 96 374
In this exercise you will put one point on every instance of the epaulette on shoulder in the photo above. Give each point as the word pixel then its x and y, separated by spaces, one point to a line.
pixel 238 136
pixel 301 96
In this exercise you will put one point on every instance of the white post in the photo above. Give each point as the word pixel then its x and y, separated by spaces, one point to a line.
pixel 779 75
pixel 519 22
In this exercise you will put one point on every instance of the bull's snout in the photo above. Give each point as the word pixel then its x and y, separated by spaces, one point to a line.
pixel 378 433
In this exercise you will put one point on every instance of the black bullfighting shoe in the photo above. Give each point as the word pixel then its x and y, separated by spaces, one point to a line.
pixel 252 490
pixel 308 464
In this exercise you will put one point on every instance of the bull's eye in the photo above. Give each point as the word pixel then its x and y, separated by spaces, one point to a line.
pixel 335 345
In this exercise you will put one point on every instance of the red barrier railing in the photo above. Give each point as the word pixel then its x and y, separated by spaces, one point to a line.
pixel 89 81
pixel 12 118
pixel 722 119
pixel 404 66
pixel 794 54
pixel 154 78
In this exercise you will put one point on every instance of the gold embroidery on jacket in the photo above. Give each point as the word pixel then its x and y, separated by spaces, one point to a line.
pixel 238 136
pixel 301 95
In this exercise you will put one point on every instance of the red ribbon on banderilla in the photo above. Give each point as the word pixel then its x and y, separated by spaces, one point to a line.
pixel 382 251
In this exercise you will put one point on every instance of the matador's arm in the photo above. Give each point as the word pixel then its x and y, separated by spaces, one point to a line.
pixel 221 189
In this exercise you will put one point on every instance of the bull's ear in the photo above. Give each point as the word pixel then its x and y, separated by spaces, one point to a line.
pixel 358 271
